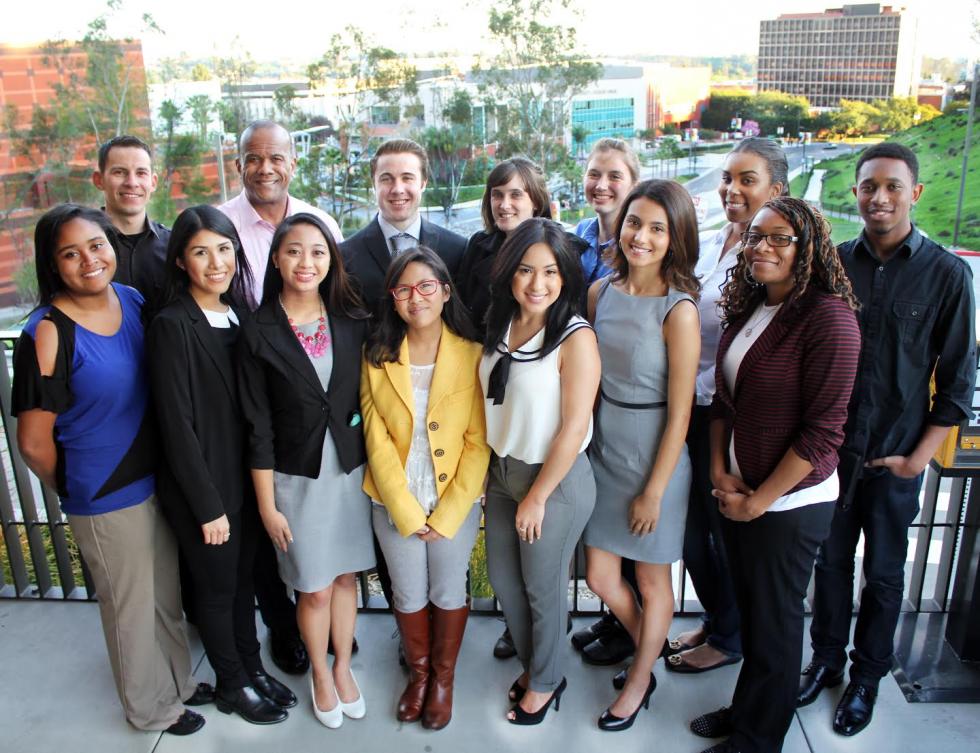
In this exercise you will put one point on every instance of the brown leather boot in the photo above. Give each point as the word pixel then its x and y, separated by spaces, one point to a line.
pixel 447 635
pixel 414 627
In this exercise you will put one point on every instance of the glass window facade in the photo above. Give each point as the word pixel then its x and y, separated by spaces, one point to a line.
pixel 604 117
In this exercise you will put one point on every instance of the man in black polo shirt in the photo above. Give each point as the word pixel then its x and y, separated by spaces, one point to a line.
pixel 126 179
pixel 917 320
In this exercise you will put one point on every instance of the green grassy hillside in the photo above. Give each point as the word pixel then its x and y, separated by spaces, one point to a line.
pixel 939 147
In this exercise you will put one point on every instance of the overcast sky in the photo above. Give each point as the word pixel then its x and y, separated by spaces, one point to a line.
pixel 302 30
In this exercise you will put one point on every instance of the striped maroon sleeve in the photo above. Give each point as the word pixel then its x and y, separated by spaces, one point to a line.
pixel 830 360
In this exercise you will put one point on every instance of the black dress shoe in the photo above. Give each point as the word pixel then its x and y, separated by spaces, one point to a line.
pixel 272 689
pixel 815 678
pixel 187 723
pixel 288 653
pixel 203 694
pixel 855 708
pixel 611 648
pixel 250 705
pixel 714 723
pixel 504 647
pixel 601 627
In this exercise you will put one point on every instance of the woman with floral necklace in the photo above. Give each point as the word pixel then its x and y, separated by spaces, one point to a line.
pixel 300 372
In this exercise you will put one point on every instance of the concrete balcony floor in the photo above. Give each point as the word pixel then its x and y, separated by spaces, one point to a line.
pixel 57 696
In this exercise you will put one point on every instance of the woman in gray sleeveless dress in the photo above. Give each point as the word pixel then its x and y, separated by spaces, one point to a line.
pixel 646 321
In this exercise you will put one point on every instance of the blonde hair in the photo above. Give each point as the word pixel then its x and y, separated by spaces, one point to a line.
pixel 618 145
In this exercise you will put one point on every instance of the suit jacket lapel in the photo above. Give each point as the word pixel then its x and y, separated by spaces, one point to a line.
pixel 400 376
pixel 428 235
pixel 377 246
pixel 213 347
pixel 277 332
pixel 447 368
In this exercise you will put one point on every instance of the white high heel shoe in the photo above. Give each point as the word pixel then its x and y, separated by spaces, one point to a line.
pixel 332 718
pixel 355 709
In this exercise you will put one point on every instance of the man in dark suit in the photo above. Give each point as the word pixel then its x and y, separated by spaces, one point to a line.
pixel 400 171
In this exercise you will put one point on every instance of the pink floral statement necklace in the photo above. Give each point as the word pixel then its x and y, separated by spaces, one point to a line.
pixel 316 344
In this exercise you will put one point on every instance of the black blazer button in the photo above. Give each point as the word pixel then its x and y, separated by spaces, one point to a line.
pixel 439 453
pixel 433 426
pixel 443 477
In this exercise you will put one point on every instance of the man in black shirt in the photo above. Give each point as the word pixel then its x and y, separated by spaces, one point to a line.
pixel 917 321
pixel 126 179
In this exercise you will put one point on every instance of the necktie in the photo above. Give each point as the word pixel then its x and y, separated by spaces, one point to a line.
pixel 401 242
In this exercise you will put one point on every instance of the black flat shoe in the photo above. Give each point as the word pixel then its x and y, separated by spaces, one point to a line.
pixel 250 705
pixel 813 679
pixel 612 648
pixel 187 724
pixel 619 679
pixel 855 708
pixel 601 627
pixel 676 663
pixel 288 653
pixel 202 695
pixel 504 647
pixel 272 689
pixel 714 723
pixel 609 722
pixel 525 718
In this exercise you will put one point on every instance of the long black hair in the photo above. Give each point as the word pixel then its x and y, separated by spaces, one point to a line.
pixel 336 290
pixel 46 233
pixel 503 306
pixel 385 339
pixel 190 222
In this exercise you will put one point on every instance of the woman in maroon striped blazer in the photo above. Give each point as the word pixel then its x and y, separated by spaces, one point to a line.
pixel 786 365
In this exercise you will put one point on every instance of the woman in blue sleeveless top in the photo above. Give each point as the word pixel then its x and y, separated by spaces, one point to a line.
pixel 81 398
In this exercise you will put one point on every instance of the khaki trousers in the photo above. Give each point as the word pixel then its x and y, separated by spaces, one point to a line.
pixel 132 556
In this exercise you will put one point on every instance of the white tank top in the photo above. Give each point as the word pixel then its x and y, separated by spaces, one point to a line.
pixel 524 425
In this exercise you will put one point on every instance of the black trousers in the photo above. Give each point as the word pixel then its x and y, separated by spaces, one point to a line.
pixel 223 593
pixel 704 549
pixel 771 559
pixel 883 507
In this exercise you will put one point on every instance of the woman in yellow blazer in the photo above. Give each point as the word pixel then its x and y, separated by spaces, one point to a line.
pixel 427 461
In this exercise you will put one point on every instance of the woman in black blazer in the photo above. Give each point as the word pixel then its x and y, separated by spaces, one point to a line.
pixel 299 375
pixel 202 482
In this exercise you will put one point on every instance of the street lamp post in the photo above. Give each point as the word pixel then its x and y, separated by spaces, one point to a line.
pixel 966 152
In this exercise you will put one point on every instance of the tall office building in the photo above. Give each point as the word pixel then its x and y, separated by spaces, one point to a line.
pixel 862 52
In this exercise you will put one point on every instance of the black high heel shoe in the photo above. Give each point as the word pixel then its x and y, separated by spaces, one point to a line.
pixel 619 679
pixel 517 691
pixel 609 722
pixel 527 718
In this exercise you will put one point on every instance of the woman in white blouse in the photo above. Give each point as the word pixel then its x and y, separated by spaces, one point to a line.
pixel 540 375
pixel 427 463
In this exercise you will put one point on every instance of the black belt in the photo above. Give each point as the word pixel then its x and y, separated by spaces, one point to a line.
pixel 634 406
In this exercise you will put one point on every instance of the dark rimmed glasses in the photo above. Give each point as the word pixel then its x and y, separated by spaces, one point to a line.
pixel 424 288
pixel 776 240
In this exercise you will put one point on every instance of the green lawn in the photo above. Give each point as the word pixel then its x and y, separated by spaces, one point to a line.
pixel 939 146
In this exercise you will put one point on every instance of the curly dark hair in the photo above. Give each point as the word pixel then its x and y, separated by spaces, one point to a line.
pixel 816 265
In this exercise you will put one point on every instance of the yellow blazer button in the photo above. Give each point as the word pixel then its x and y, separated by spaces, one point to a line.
pixel 443 476
pixel 433 426
pixel 439 453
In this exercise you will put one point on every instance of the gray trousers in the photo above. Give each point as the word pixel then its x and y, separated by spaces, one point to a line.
pixel 426 571
pixel 132 556
pixel 531 580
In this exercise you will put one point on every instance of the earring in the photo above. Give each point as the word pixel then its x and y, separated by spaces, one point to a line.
pixel 749 278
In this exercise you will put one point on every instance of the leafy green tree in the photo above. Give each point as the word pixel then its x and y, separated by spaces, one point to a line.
pixel 360 75
pixel 234 71
pixel 854 118
pixel 200 107
pixel 535 72
pixel 448 150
